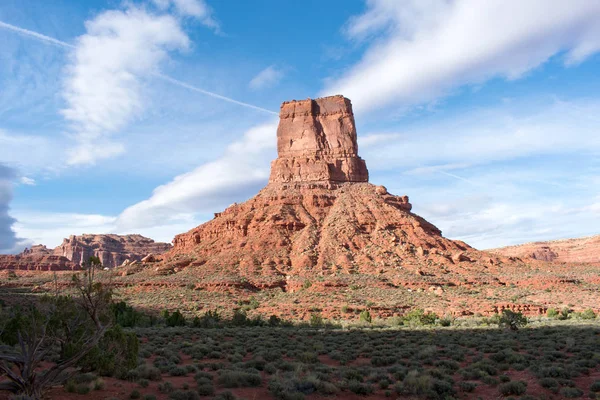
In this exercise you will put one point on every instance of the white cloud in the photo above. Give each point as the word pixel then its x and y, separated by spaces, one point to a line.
pixel 492 135
pixel 103 88
pixel 191 8
pixel 268 77
pixel 240 172
pixel 30 153
pixel 422 49
pixel 25 180
pixel 50 228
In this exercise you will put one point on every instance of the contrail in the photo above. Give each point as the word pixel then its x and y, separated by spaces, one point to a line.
pixel 211 94
pixel 51 40
pixel 35 35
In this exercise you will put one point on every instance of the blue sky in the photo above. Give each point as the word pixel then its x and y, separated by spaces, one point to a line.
pixel 148 116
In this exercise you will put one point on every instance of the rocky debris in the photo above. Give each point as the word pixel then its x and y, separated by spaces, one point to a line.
pixel 581 250
pixel 37 262
pixel 150 258
pixel 316 142
pixel 112 250
pixel 318 215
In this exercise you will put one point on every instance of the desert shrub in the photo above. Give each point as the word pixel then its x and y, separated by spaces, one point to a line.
pixel 512 320
pixel 365 316
pixel 316 320
pixel 564 313
pixel 552 313
pixel 114 355
pixel 205 387
pixel 420 317
pixel 210 319
pixel 173 319
pixel 149 397
pixel 233 379
pixel 516 388
pixel 570 392
pixel 550 384
pixel 595 387
pixel 144 383
pixel 226 395
pixel 360 388
pixel 166 387
pixel 145 371
pixel 177 371
pixel 467 387
pixel 274 320
pixel 184 395
pixel 587 314
pixel 135 394
pixel 70 327
pixel 127 316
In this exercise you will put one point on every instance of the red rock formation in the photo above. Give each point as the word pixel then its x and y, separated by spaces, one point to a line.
pixel 37 262
pixel 112 250
pixel 316 141
pixel 581 250
pixel 318 214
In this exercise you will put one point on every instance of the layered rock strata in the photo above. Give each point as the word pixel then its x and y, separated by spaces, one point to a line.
pixel 112 250
pixel 318 214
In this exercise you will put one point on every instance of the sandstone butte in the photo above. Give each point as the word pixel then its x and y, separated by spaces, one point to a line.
pixel 318 215
pixel 112 250
pixel 580 250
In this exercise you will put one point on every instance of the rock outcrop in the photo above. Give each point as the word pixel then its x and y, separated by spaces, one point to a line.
pixel 580 250
pixel 112 250
pixel 37 262
pixel 316 142
pixel 318 215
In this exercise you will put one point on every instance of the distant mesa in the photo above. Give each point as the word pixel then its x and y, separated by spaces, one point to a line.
pixel 580 250
pixel 112 250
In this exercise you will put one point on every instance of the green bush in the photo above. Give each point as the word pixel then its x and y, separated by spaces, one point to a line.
pixel 115 354
pixel 234 379
pixel 173 319
pixel 420 317
pixel 210 319
pixel 512 320
pixel 516 388
pixel 552 313
pixel 467 387
pixel 365 316
pixel 316 320
pixel 570 392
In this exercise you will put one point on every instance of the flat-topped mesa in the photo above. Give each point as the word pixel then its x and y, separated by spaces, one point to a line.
pixel 316 142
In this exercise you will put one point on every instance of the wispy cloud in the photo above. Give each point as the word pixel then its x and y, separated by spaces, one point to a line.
pixel 191 8
pixel 268 77
pixel 492 135
pixel 25 180
pixel 239 173
pixel 421 50
pixel 103 88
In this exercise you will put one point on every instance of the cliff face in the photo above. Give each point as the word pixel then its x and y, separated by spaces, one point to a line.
pixel 581 250
pixel 318 214
pixel 112 250
pixel 37 262
pixel 316 142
